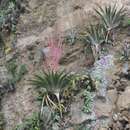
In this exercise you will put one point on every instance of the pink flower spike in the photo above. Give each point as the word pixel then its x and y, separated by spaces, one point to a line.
pixel 55 53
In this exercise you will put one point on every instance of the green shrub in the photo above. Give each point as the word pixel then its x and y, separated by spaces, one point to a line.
pixel 95 35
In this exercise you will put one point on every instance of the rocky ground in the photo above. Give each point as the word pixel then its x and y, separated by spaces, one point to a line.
pixel 45 18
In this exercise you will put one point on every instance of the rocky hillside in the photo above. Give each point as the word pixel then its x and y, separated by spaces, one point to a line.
pixel 49 35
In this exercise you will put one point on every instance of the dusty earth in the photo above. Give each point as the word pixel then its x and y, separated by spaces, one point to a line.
pixel 43 18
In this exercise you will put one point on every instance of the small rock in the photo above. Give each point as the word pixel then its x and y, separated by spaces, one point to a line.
pixel 118 125
pixel 128 127
pixel 26 41
pixel 112 95
pixel 46 51
pixel 103 109
pixel 124 100
pixel 115 117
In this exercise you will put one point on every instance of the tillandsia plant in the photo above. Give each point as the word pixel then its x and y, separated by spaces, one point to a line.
pixel 112 17
pixel 53 83
pixel 96 35
pixel 71 37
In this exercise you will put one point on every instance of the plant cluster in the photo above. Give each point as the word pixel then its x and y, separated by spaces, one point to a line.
pixel 111 18
pixel 79 81
pixel 32 123
pixel 38 122
pixel 6 19
pixel 9 13
pixel 16 71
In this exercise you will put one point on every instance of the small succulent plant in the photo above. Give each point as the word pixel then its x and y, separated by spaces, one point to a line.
pixel 96 36
pixel 88 102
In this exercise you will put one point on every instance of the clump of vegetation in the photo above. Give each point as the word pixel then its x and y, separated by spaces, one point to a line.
pixel 38 122
pixel 6 13
pixel 88 102
pixel 96 36
pixel 79 81
pixel 33 123
pixel 16 71
pixel 9 13
pixel 111 18
pixel 51 84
